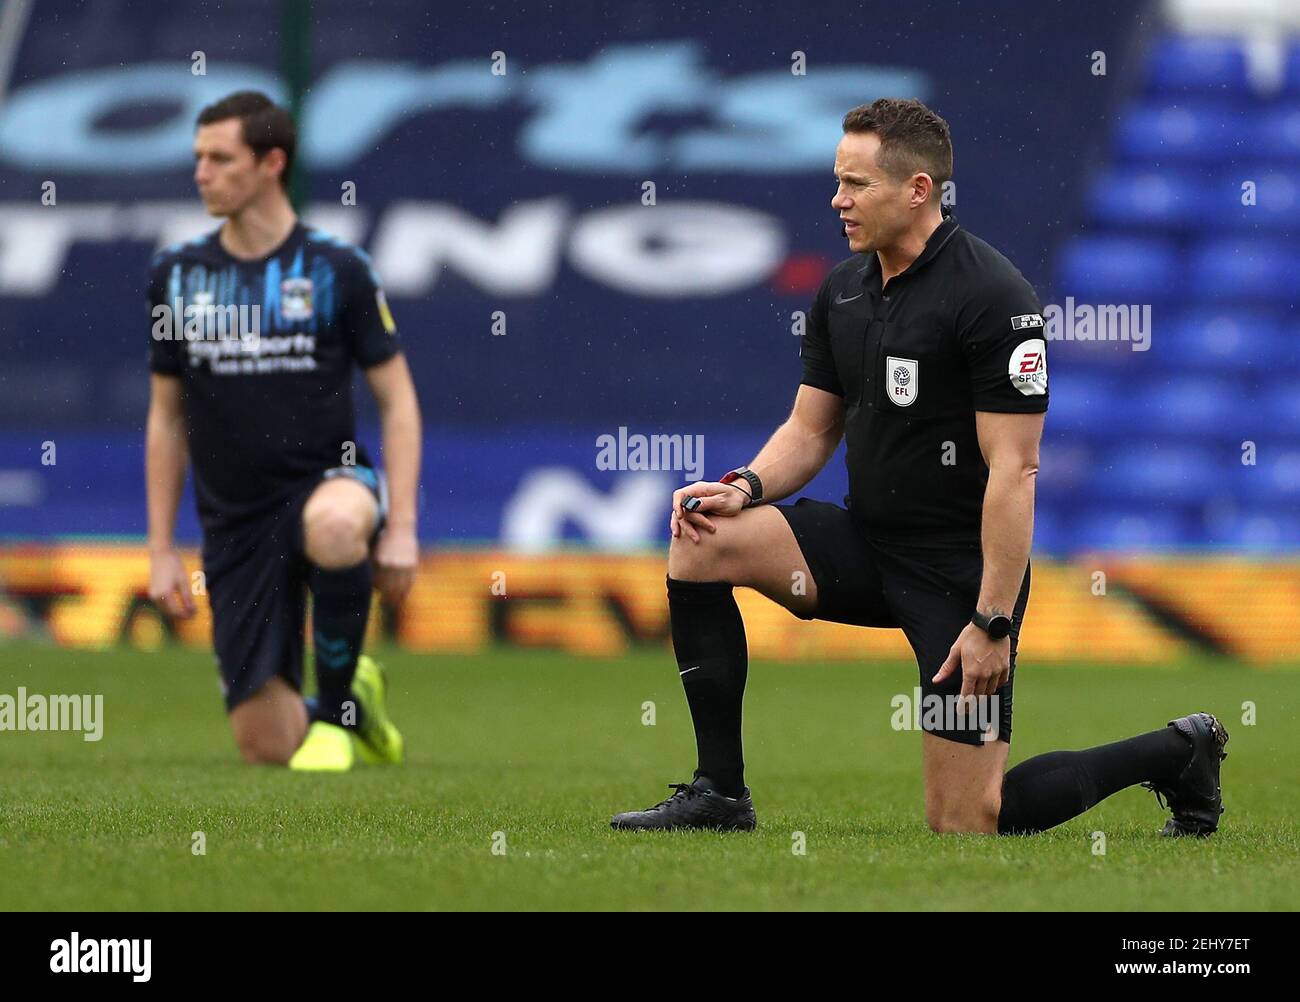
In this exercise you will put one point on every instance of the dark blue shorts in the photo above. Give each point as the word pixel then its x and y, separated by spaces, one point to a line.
pixel 928 593
pixel 256 576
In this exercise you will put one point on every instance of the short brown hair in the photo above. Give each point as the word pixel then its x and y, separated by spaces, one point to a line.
pixel 913 139
pixel 266 125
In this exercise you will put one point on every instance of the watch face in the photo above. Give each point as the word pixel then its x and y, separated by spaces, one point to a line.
pixel 999 627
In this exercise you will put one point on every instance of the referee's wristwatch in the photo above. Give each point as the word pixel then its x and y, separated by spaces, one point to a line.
pixel 997 627
pixel 750 477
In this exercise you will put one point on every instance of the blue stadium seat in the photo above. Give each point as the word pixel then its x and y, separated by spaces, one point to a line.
pixel 1080 401
pixel 1246 270
pixel 1198 65
pixel 1187 405
pixel 1282 468
pixel 1278 407
pixel 1274 479
pixel 1256 531
pixel 1069 467
pixel 1292 86
pixel 1222 341
pixel 1276 134
pixel 1134 529
pixel 1276 199
pixel 1050 533
pixel 1149 473
pixel 1118 269
pixel 1185 132
pixel 1142 196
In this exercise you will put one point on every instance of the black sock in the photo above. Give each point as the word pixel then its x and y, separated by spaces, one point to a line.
pixel 339 610
pixel 1046 790
pixel 713 661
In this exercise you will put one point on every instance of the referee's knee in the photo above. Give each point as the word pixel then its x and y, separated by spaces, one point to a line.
pixel 707 560
pixel 972 816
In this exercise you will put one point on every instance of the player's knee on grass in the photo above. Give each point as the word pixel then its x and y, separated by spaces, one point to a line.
pixel 265 741
pixel 334 533
pixel 963 785
pixel 964 809
pixel 260 748
pixel 976 815
pixel 270 725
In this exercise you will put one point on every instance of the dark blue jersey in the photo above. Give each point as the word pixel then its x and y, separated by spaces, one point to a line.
pixel 265 351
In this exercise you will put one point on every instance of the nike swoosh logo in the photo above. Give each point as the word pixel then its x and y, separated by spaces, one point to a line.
pixel 839 299
pixel 686 670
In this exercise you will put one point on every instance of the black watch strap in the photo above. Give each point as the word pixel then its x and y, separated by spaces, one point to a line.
pixel 998 627
pixel 750 477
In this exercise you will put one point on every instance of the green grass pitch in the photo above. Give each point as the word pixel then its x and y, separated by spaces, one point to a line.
pixel 544 747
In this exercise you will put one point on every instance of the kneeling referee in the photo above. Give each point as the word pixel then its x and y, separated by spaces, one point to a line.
pixel 924 350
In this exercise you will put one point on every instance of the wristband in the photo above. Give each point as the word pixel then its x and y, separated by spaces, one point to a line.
pixel 750 477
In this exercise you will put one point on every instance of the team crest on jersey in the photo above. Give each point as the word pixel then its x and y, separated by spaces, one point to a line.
pixel 295 299
pixel 901 376
pixel 1028 367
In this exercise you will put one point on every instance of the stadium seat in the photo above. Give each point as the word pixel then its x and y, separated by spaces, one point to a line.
pixel 1152 473
pixel 1198 65
pixel 1134 529
pixel 1244 270
pixel 1274 479
pixel 1275 134
pixel 1292 79
pixel 1222 341
pixel 1187 405
pixel 1276 199
pixel 1068 468
pixel 1185 132
pixel 1260 532
pixel 1081 403
pixel 1119 269
pixel 1140 196
pixel 1050 534
pixel 1279 407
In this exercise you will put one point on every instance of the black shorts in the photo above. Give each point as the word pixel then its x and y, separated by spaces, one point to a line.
pixel 928 593
pixel 256 576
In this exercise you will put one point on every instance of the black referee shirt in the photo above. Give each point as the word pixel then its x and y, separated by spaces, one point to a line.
pixel 959 331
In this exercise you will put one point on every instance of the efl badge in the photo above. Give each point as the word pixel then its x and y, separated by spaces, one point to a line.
pixel 295 299
pixel 900 377
pixel 1028 367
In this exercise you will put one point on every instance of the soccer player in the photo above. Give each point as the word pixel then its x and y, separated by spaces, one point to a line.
pixel 256 329
pixel 925 350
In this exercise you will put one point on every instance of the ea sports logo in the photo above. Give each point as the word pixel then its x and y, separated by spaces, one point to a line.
pixel 1027 367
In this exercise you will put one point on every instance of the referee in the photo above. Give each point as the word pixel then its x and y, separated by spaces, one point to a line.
pixel 925 351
